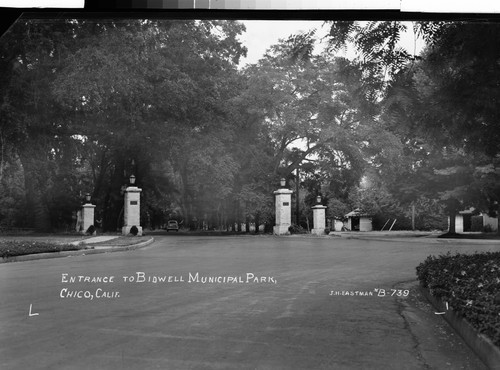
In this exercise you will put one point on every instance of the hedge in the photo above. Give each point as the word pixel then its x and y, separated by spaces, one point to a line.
pixel 471 286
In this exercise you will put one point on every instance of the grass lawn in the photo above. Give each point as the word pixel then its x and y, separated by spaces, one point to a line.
pixel 11 248
pixel 47 238
pixel 18 245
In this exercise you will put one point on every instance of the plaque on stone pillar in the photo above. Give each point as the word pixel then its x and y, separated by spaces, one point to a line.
pixel 87 217
pixel 132 210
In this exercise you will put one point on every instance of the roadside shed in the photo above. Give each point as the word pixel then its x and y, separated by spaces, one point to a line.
pixel 357 220
pixel 471 220
pixel 463 221
pixel 335 224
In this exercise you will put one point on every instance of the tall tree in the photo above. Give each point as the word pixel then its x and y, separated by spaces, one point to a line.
pixel 320 118
pixel 156 90
pixel 447 100
pixel 31 121
pixel 91 102
pixel 439 103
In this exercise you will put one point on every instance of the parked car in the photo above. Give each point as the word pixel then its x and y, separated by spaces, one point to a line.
pixel 172 225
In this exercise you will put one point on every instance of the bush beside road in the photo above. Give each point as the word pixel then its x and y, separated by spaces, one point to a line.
pixel 471 286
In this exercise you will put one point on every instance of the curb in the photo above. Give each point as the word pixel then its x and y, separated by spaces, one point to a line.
pixel 479 343
pixel 82 252
pixel 420 239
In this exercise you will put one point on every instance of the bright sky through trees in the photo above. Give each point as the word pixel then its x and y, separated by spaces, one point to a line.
pixel 260 35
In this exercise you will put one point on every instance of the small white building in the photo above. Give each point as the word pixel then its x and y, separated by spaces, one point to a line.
pixel 470 220
pixel 463 221
pixel 357 220
pixel 490 223
pixel 335 224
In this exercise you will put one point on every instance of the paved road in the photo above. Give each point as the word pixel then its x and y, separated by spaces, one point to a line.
pixel 269 307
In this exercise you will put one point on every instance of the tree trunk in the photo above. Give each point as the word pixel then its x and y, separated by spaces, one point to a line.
pixel 100 177
pixel 38 210
pixel 186 205
pixel 257 222
pixel 237 215
pixel 39 207
pixel 413 217
pixel 297 204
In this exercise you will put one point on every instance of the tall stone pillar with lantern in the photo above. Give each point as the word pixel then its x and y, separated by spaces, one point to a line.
pixel 318 218
pixel 132 208
pixel 283 200
pixel 87 215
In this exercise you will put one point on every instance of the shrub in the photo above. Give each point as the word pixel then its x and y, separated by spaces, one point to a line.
pixel 134 230
pixel 296 229
pixel 327 231
pixel 91 230
pixel 470 284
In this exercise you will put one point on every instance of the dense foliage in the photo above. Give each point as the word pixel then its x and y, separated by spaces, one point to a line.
pixel 86 103
pixel 470 284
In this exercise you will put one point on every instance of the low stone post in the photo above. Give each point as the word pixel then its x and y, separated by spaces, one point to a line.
pixel 87 217
pixel 132 210
pixel 318 218
pixel 283 207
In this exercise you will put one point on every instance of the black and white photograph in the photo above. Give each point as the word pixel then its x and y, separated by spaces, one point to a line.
pixel 215 190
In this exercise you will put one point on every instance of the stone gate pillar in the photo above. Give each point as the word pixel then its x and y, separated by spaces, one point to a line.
pixel 132 210
pixel 318 218
pixel 283 205
pixel 87 217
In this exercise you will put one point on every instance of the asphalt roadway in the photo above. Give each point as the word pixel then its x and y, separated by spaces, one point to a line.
pixel 267 303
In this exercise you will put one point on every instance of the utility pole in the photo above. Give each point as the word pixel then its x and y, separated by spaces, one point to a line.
pixel 413 216
pixel 297 181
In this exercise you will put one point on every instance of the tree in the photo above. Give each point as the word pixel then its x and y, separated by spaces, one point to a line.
pixel 33 129
pixel 440 104
pixel 113 92
pixel 446 101
pixel 312 110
